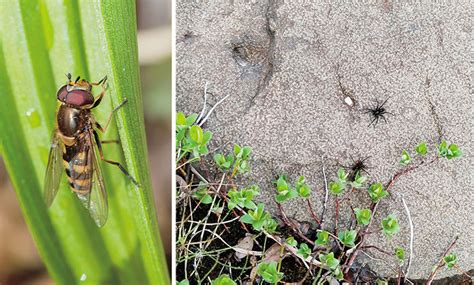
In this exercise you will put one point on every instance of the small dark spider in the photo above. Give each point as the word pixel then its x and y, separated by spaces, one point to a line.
pixel 378 112
pixel 357 166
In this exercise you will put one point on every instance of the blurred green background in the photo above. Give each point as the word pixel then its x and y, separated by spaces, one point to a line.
pixel 19 259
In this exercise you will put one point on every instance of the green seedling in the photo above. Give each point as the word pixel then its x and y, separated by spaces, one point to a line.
pixel 322 238
pixel 284 190
pixel 400 254
pixel 303 189
pixel 304 250
pixel 363 216
pixel 329 260
pixel 376 192
pixel 405 158
pixel 347 237
pixel 291 241
pixel 390 225
pixel 202 194
pixel 359 180
pixel 450 260
pixel 449 151
pixel 421 148
pixel 223 280
pixel 269 272
pixel 259 219
pixel 243 198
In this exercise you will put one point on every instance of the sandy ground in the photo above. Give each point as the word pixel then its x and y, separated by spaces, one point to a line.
pixel 288 66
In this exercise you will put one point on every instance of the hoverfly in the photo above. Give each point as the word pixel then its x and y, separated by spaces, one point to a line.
pixel 73 148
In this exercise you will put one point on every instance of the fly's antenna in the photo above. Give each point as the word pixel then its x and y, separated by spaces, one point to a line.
pixel 77 79
pixel 68 77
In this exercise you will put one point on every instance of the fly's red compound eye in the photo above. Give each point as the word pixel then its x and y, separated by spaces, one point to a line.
pixel 75 97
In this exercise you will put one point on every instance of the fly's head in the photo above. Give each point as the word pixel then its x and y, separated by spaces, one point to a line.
pixel 76 93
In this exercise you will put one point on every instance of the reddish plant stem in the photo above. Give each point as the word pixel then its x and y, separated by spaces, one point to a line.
pixel 336 216
pixel 376 248
pixel 292 225
pixel 441 262
pixel 311 210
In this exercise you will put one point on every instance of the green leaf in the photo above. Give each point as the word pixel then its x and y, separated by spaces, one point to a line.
pixel 376 192
pixel 336 188
pixel 196 134
pixel 304 250
pixel 191 119
pixel 359 180
pixel 390 225
pixel 449 152
pixel 405 158
pixel 421 149
pixel 91 39
pixel 329 260
pixel 202 194
pixel 450 260
pixel 400 254
pixel 223 280
pixel 342 175
pixel 363 216
pixel 303 189
pixel 269 272
pixel 348 237
pixel 322 238
pixel 291 241
pixel 183 282
pixel 180 121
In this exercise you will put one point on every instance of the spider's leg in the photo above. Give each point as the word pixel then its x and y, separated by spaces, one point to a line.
pixel 375 118
pixel 384 102
pixel 383 117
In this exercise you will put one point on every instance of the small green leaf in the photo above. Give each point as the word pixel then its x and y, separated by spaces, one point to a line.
pixel 337 273
pixel 450 260
pixel 390 225
pixel 183 282
pixel 269 272
pixel 322 238
pixel 363 216
pixel 180 119
pixel 342 175
pixel 348 237
pixel 196 134
pixel 376 192
pixel 223 280
pixel 400 254
pixel 203 196
pixel 336 188
pixel 304 250
pixel 329 260
pixel 291 241
pixel 421 149
pixel 359 180
pixel 191 119
pixel 405 158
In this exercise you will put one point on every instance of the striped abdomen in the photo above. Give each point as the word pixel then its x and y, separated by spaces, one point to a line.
pixel 78 167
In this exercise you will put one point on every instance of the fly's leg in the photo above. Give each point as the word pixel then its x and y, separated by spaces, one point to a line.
pixel 124 171
pixel 101 95
pixel 110 117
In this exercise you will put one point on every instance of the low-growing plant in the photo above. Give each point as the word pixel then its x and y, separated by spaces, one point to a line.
pixel 329 250
pixel 269 272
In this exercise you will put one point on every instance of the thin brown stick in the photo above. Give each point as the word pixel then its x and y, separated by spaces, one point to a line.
pixel 441 262
pixel 311 210
pixel 290 224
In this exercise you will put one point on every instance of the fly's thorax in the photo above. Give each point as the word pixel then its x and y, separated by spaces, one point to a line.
pixel 72 122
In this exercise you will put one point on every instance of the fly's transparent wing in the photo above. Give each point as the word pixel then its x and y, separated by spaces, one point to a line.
pixel 53 170
pixel 97 206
